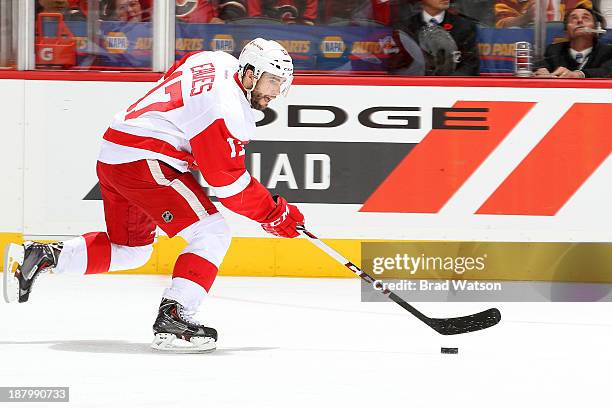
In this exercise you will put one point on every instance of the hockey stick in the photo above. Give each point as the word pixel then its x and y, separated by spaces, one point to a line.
pixel 449 326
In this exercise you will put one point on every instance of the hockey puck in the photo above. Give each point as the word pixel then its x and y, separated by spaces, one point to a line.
pixel 449 350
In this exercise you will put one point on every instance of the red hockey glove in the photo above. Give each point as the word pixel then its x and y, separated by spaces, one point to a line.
pixel 283 220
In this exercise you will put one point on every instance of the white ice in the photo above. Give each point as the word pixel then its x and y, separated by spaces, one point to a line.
pixel 287 342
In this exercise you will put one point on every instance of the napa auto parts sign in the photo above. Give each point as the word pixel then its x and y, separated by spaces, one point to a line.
pixel 381 162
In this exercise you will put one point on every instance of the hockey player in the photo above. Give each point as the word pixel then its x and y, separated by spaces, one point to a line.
pixel 198 115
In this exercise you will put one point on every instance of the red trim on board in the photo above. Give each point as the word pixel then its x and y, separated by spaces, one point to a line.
pixel 355 80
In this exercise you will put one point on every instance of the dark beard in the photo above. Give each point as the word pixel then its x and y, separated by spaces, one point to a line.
pixel 255 101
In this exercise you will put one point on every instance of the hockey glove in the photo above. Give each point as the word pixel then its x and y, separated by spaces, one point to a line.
pixel 283 220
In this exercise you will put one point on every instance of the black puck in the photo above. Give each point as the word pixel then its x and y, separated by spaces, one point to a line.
pixel 449 350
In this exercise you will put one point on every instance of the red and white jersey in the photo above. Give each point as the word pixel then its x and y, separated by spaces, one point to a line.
pixel 197 115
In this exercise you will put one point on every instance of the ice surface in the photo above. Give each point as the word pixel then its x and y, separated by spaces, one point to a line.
pixel 287 342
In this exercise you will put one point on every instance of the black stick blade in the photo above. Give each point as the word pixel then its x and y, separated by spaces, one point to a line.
pixel 466 324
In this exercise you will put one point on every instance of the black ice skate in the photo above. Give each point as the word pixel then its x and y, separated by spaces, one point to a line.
pixel 23 264
pixel 176 331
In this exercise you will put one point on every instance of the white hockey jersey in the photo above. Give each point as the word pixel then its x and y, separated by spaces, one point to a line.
pixel 196 116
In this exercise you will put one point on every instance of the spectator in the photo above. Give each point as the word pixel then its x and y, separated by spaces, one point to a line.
pixel 583 56
pixel 462 31
pixel 520 13
pixel 199 11
pixel 289 11
pixel 62 7
pixel 133 11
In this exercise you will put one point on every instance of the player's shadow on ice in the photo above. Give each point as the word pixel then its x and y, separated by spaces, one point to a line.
pixel 123 347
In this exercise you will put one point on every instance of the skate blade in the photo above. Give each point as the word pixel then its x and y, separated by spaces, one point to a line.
pixel 170 343
pixel 13 258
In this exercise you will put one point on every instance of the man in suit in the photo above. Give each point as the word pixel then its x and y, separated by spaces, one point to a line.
pixel 461 29
pixel 583 56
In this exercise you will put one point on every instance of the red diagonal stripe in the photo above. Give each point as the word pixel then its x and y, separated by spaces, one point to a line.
pixel 563 160
pixel 438 166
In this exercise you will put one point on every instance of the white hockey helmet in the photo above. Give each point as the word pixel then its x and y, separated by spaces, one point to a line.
pixel 266 56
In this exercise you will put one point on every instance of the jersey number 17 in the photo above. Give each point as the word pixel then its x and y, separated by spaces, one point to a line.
pixel 176 98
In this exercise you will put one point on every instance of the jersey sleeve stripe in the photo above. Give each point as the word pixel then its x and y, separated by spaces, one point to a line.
pixel 148 143
pixel 236 187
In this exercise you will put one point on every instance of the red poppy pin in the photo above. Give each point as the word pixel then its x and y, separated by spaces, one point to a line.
pixel 447 26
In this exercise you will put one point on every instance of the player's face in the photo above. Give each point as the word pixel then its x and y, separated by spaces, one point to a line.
pixel 267 88
pixel 577 21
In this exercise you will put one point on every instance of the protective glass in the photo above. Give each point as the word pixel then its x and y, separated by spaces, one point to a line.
pixel 94 34
pixel 8 34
